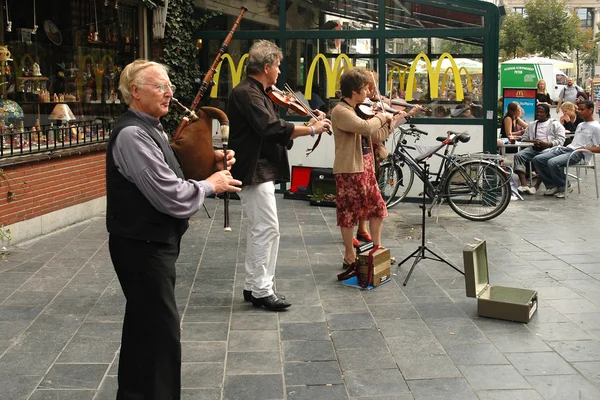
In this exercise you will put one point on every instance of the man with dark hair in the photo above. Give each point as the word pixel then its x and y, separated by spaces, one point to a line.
pixel 260 137
pixel 550 164
pixel 544 133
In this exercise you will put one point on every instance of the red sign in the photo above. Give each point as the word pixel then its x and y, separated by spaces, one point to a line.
pixel 520 93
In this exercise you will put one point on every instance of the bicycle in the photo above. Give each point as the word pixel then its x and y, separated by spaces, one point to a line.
pixel 475 187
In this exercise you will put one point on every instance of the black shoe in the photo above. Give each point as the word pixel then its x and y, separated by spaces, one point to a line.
pixel 248 295
pixel 271 303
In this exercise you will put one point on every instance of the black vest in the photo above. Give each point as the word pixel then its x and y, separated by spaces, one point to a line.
pixel 128 213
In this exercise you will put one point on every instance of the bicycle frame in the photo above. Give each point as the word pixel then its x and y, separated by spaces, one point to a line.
pixel 434 187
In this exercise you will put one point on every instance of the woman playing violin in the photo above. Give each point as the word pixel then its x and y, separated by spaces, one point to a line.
pixel 358 195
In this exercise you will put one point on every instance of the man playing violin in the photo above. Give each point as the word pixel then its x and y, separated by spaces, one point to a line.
pixel 260 139
pixel 148 203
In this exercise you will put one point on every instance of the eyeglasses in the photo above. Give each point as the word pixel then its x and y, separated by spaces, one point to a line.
pixel 162 87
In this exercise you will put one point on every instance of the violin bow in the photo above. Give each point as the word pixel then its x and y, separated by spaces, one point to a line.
pixel 310 112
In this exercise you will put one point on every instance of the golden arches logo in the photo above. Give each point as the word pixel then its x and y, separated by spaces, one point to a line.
pixel 236 72
pixel 332 73
pixel 434 76
pixel 449 72
pixel 402 73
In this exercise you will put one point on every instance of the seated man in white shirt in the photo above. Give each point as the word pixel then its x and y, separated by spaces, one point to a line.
pixel 544 132
pixel 550 164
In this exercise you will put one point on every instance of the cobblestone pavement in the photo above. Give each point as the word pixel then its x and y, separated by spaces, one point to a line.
pixel 61 308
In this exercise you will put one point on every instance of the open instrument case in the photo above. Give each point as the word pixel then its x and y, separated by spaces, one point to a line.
pixel 512 304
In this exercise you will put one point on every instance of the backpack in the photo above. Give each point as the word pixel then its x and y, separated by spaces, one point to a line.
pixel 581 95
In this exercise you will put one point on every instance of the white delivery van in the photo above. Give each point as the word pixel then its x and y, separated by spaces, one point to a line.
pixel 522 73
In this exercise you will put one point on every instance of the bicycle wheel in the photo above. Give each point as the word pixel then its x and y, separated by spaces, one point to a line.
pixel 477 190
pixel 394 182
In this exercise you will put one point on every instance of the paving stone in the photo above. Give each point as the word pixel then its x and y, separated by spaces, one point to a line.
pixel 382 382
pixel 529 394
pixel 482 377
pixel 546 363
pixel 204 331
pixel 363 359
pixel 74 376
pixel 17 387
pixel 304 331
pixel 346 322
pixel 330 392
pixel 305 350
pixel 518 342
pixel 89 352
pixel 564 387
pixel 239 387
pixel 253 340
pixel 312 373
pixel 202 375
pixel 201 394
pixel 357 339
pixel 303 314
pixel 207 314
pixel 577 350
pixel 203 351
pixel 255 362
pixel 249 322
pixel 422 366
pixel 560 331
pixel 589 369
pixel 447 389
pixel 475 354
pixel 63 395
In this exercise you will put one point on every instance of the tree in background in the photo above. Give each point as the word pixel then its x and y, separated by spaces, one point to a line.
pixel 512 36
pixel 586 50
pixel 180 54
pixel 550 28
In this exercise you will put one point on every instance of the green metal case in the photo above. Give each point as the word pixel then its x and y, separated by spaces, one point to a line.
pixel 512 304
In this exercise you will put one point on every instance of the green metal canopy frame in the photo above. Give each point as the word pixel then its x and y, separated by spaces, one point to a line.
pixel 419 20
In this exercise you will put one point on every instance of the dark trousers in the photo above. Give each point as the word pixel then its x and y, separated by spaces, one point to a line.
pixel 150 359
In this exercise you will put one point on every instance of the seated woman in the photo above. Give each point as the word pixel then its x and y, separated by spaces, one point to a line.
pixel 512 125
pixel 358 195
pixel 569 119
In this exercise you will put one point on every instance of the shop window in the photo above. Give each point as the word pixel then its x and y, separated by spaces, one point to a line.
pixel 75 57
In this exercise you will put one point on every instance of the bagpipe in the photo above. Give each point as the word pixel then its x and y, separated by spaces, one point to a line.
pixel 192 141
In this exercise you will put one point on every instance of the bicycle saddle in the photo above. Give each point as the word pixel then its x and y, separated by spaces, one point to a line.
pixel 459 137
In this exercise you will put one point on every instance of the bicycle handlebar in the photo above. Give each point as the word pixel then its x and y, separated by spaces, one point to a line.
pixel 413 130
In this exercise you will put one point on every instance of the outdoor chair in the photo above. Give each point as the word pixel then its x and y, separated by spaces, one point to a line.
pixel 583 164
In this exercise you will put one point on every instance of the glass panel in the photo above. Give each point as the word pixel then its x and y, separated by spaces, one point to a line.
pixel 230 70
pixel 262 18
pixel 452 90
pixel 405 15
pixel 357 14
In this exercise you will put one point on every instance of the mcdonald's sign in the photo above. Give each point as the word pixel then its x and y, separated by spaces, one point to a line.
pixel 460 70
pixel 236 72
pixel 434 76
pixel 332 73
pixel 402 73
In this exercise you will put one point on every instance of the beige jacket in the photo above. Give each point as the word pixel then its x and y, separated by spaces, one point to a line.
pixel 347 131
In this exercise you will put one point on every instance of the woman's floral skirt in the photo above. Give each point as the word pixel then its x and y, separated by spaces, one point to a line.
pixel 358 196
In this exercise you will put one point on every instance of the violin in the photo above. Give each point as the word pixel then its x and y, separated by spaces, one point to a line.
pixel 369 109
pixel 287 101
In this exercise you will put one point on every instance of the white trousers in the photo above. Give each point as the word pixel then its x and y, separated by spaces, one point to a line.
pixel 262 239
